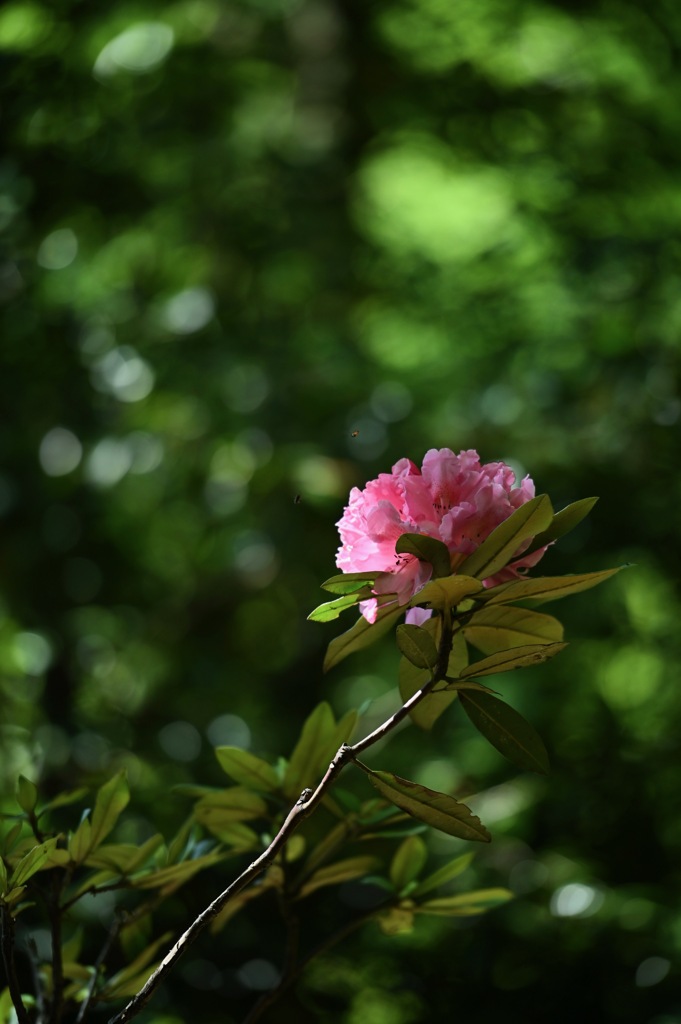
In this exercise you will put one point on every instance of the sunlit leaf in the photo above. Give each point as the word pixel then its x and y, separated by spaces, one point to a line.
pixel 236 803
pixel 417 646
pixel 247 769
pixel 314 738
pixel 27 794
pixel 235 834
pixel 176 874
pixel 411 679
pixel 465 904
pixel 447 592
pixel 32 862
pixel 445 874
pixel 548 588
pixel 407 862
pixel 111 799
pixel 64 800
pixel 396 920
pixel 361 635
pixel 507 661
pixel 350 582
pixel 128 981
pixel 503 542
pixel 335 874
pixel 506 730
pixel 500 627
pixel 332 609
pixel 563 522
pixel 426 549
pixel 437 809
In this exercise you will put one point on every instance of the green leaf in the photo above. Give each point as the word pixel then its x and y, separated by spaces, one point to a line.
pixel 235 834
pixel 437 809
pixel 445 874
pixel 247 769
pixel 506 661
pixel 465 904
pixel 396 920
pixel 548 588
pixel 417 646
pixel 236 803
pixel 32 862
pixel 503 543
pixel 27 794
pixel 411 679
pixel 239 901
pixel 174 875
pixel 72 796
pixel 426 549
pixel 408 862
pixel 361 635
pixel 350 582
pixel 3 877
pixel 447 592
pixel 80 843
pixel 14 895
pixel 314 739
pixel 500 627
pixel 332 609
pixel 335 874
pixel 506 730
pixel 128 981
pixel 563 522
pixel 111 799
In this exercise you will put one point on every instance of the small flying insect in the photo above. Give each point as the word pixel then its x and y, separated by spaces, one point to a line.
pixel 297 500
pixel 355 433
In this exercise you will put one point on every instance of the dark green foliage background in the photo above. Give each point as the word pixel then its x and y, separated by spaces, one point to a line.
pixel 434 223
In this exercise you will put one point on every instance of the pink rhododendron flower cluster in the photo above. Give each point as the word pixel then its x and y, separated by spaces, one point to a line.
pixel 453 498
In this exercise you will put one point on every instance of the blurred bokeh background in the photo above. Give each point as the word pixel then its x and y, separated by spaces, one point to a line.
pixel 252 254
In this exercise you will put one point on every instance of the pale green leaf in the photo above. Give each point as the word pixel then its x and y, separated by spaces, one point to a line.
pixel 32 862
pixel 335 874
pixel 350 582
pixel 236 803
pixel 465 904
pixel 247 769
pixel 80 843
pixel 332 609
pixel 563 522
pixel 447 873
pixel 500 627
pixel 548 588
pixel 111 799
pixel 314 740
pixel 407 862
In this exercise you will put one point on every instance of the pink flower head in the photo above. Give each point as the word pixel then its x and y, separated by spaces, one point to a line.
pixel 452 498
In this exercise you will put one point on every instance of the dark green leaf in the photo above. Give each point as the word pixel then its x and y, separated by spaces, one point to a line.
pixel 506 661
pixel 350 582
pixel 447 592
pixel 247 769
pixel 548 588
pixel 563 522
pixel 417 646
pixel 426 549
pixel 408 861
pixel 361 635
pixel 503 542
pixel 332 609
pixel 27 794
pixel 411 679
pixel 506 730
pixel 437 809
pixel 314 740
pixel 500 627
pixel 111 799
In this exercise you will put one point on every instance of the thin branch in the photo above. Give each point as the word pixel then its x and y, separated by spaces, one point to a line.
pixel 10 965
pixel 302 809
pixel 55 912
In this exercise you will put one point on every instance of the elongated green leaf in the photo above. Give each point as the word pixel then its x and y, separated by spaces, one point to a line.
pixel 119 985
pixel 411 679
pixel 3 877
pixel 437 809
pixel 314 739
pixel 447 592
pixel 80 842
pixel 64 800
pixel 173 876
pixel 426 549
pixel 465 904
pixel 506 730
pixel 503 542
pixel 417 645
pixel 124 858
pixel 247 769
pixel 500 627
pixel 111 799
pixel 349 582
pixel 238 902
pixel 445 874
pixel 517 657
pixel 361 635
pixel 332 609
pixel 31 862
pixel 408 862
pixel 236 803
pixel 563 522
pixel 235 834
pixel 27 794
pixel 335 874
pixel 548 588
pixel 14 895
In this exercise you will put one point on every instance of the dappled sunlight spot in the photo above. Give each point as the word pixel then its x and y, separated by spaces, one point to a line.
pixel 96 337
pixel 138 50
pixel 652 971
pixel 576 900
pixel 527 876
pixel 438 774
pixel 246 387
pixel 146 450
pixel 391 401
pixel 58 250
pixel 188 311
pixel 258 975
pixel 60 452
pixel 630 677
pixel 96 655
pixel 32 653
pixel 91 751
pixel 504 801
pixel 108 462
pixel 319 477
pixel 400 341
pixel 360 691
pixel 255 558
pixel 230 471
pixel 636 913
pixel 121 372
pixel 366 437
pixel 24 26
pixel 180 740
pixel 415 200
pixel 500 404
pixel 229 731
